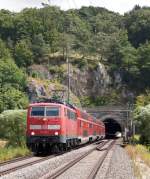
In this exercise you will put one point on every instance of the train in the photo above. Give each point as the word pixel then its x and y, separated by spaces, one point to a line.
pixel 56 126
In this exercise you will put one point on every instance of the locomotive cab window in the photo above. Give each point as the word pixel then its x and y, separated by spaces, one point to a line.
pixel 71 115
pixel 37 111
pixel 52 111
pixel 90 125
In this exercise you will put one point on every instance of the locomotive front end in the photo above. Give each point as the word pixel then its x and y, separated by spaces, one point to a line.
pixel 43 127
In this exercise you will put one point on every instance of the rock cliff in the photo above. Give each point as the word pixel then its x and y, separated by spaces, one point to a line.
pixel 95 82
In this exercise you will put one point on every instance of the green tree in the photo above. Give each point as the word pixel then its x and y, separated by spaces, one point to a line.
pixel 137 23
pixel 13 126
pixel 11 74
pixel 27 24
pixel 11 98
pixel 4 52
pixel 142 116
pixel 23 53
pixel 40 48
pixel 7 25
pixel 143 63
pixel 12 83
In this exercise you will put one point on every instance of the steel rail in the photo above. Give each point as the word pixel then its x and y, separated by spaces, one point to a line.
pixel 15 160
pixel 72 163
pixel 21 166
pixel 14 168
pixel 100 161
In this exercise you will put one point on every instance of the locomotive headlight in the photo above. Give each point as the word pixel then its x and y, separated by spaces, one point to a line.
pixel 56 133
pixel 44 119
pixel 32 133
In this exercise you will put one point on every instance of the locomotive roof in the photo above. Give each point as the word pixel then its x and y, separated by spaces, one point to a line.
pixel 50 104
pixel 42 103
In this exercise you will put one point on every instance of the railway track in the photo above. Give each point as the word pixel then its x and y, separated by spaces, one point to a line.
pixel 22 162
pixel 100 161
pixel 95 169
pixel 15 160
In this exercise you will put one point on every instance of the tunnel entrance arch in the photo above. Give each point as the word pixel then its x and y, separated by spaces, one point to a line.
pixel 111 127
pixel 121 114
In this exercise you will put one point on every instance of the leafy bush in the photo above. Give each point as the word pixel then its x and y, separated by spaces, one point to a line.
pixel 13 127
pixel 12 83
pixel 91 101
pixel 11 98
pixel 142 116
pixel 23 54
pixel 58 71
pixel 109 98
pixel 11 74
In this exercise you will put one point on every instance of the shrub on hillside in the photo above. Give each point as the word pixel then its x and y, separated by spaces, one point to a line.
pixel 13 126
pixel 142 115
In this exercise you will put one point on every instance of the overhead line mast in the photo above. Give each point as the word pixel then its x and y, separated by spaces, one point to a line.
pixel 68 72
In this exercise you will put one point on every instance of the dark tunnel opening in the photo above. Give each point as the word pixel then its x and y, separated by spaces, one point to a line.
pixel 111 127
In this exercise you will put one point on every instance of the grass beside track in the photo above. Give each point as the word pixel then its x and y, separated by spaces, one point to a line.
pixel 138 153
pixel 11 152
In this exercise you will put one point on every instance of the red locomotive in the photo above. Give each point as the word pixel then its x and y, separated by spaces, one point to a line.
pixel 53 126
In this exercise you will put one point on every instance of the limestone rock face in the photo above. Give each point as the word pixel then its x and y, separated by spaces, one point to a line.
pixel 39 71
pixel 38 89
pixel 85 81
pixel 35 90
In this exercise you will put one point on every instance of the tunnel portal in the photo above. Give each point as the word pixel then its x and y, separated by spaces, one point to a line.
pixel 111 127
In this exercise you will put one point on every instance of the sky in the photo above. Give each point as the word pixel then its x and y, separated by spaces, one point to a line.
pixel 120 6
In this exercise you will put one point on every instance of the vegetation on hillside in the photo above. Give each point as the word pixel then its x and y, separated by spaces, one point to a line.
pixel 142 117
pixel 34 36
pixel 122 42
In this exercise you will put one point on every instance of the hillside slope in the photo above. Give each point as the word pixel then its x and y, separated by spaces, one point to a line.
pixel 109 54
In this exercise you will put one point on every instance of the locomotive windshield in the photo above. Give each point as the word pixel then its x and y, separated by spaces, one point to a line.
pixel 37 111
pixel 51 111
pixel 45 111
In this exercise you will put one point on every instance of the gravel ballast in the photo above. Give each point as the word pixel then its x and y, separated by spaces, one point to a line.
pixel 38 170
pixel 83 168
pixel 117 165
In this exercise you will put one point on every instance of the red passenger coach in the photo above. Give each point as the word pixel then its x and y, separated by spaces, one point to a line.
pixel 89 128
pixel 53 126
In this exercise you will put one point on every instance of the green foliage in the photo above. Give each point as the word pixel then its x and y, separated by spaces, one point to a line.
pixel 35 35
pixel 108 99
pixel 142 115
pixel 91 101
pixel 10 74
pixel 4 52
pixel 59 70
pixel 12 83
pixel 11 98
pixel 40 48
pixel 143 63
pixel 23 53
pixel 137 23
pixel 13 152
pixel 13 126
pixel 143 99
pixel 7 26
